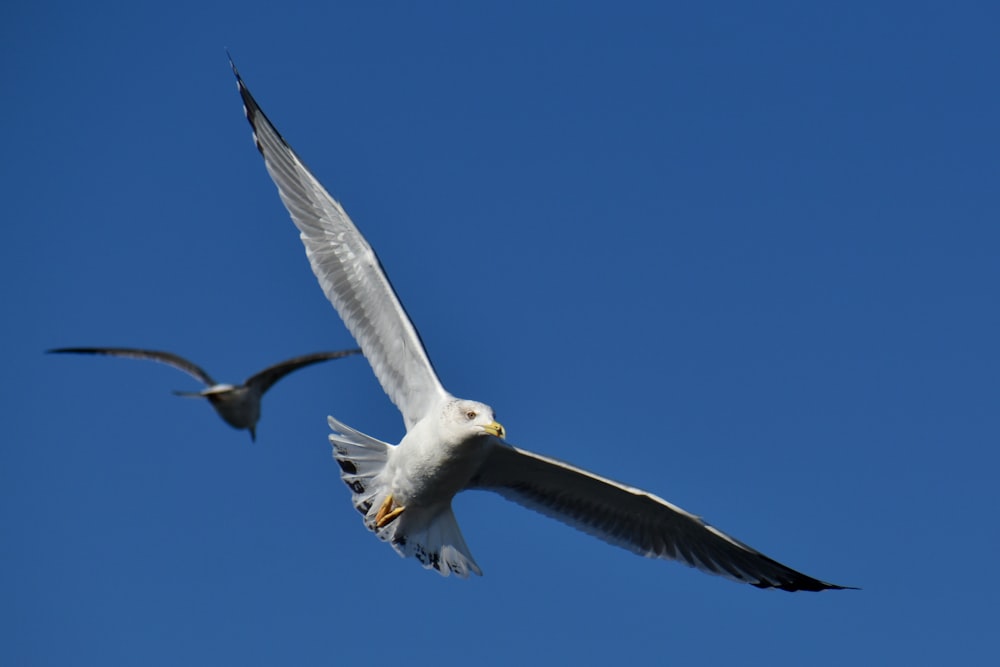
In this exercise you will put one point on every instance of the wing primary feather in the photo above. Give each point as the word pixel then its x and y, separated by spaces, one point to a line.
pixel 631 518
pixel 266 378
pixel 349 272
pixel 159 356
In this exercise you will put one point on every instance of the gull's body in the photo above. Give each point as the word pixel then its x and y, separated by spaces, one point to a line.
pixel 405 491
pixel 238 405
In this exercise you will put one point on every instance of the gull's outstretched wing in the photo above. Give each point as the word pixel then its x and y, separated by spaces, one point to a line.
pixel 630 518
pixel 350 274
pixel 267 377
pixel 168 358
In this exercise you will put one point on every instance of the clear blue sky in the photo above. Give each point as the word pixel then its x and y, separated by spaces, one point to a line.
pixel 747 258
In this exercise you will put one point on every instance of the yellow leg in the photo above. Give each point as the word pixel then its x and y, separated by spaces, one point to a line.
pixel 390 517
pixel 386 513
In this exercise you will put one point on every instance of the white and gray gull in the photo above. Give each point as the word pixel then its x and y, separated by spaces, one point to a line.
pixel 405 491
pixel 238 405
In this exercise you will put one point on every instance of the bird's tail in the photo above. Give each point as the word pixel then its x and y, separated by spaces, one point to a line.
pixel 437 543
pixel 434 539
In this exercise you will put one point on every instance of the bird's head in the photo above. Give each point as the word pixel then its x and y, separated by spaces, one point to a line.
pixel 467 419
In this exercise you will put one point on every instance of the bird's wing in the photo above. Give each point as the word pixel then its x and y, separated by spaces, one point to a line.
pixel 630 518
pixel 267 377
pixel 350 274
pixel 168 358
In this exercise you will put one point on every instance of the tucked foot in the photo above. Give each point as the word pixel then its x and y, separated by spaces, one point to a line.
pixel 387 513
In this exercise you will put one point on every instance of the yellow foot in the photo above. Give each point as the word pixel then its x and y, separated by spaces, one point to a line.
pixel 386 513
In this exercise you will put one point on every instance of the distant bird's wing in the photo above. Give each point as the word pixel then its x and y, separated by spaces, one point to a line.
pixel 630 518
pixel 267 377
pixel 153 355
pixel 350 274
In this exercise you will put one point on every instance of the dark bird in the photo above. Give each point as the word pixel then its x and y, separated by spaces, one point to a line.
pixel 238 405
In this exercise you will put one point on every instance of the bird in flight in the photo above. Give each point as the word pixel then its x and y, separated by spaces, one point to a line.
pixel 238 405
pixel 405 491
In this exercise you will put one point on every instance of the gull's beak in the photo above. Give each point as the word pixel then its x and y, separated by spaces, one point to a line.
pixel 495 428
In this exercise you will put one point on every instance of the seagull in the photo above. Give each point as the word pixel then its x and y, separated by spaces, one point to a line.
pixel 405 491
pixel 238 405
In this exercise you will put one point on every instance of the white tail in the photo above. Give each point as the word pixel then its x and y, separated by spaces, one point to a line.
pixel 436 542
pixel 433 538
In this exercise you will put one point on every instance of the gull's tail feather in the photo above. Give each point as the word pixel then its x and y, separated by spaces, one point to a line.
pixel 361 458
pixel 436 542
pixel 433 538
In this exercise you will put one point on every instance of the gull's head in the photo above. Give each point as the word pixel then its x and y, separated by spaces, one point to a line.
pixel 467 419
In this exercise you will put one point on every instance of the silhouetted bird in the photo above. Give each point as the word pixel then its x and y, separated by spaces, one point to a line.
pixel 238 405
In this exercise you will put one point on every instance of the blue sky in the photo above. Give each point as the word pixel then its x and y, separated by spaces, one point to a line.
pixel 744 257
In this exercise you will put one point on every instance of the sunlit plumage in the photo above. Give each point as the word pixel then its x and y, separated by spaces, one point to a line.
pixel 404 491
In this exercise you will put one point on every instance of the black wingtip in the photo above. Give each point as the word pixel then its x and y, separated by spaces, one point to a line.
pixel 808 585
pixel 232 64
pixel 244 93
pixel 250 108
pixel 835 587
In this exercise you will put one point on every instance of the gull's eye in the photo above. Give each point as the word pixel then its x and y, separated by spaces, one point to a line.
pixel 471 414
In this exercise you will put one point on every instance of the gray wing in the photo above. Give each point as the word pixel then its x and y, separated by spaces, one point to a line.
pixel 349 273
pixel 267 377
pixel 167 358
pixel 630 518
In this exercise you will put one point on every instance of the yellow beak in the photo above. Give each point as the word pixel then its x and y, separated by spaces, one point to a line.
pixel 495 428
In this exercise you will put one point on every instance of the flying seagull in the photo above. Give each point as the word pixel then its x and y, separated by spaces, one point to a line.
pixel 405 491
pixel 238 405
